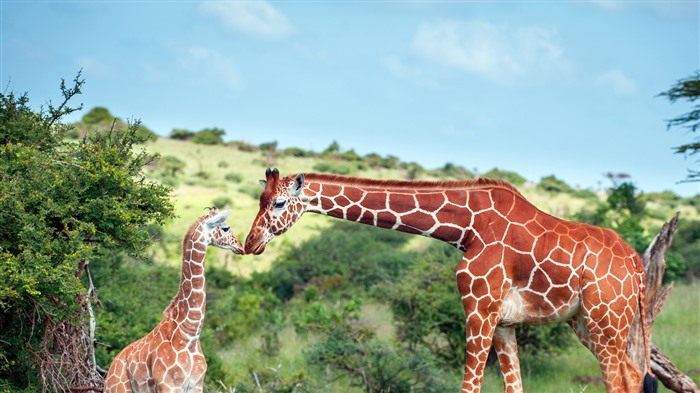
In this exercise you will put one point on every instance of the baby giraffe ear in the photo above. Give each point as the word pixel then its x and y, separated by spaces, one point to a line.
pixel 213 222
pixel 298 185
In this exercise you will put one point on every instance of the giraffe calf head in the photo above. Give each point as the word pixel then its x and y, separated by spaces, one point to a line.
pixel 280 207
pixel 218 233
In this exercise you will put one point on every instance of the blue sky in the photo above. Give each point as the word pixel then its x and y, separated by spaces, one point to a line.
pixel 538 87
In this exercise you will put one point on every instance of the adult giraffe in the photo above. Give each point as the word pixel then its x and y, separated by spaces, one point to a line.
pixel 520 265
pixel 169 358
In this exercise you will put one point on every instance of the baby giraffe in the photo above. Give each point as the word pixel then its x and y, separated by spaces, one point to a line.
pixel 169 358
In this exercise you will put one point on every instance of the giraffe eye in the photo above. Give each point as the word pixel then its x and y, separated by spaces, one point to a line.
pixel 225 228
pixel 280 203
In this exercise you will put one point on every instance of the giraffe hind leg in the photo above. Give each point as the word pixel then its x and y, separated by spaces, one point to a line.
pixel 605 334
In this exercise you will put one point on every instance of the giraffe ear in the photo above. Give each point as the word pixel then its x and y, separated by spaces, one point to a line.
pixel 213 222
pixel 263 183
pixel 298 185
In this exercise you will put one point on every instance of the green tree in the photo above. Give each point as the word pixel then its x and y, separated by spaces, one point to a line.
pixel 97 115
pixel 181 134
pixel 622 211
pixel 687 89
pixel 60 204
pixel 209 136
pixel 552 184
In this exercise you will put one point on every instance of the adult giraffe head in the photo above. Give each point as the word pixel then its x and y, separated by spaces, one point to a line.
pixel 281 205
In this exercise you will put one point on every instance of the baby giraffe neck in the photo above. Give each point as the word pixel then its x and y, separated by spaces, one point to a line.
pixel 191 299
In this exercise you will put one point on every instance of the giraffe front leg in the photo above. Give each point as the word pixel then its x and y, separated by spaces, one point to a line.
pixel 481 284
pixel 506 346
pixel 479 332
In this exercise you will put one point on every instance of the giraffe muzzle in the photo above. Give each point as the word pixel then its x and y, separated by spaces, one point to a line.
pixel 253 245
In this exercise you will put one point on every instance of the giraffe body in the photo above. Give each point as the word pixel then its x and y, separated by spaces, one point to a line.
pixel 169 358
pixel 520 265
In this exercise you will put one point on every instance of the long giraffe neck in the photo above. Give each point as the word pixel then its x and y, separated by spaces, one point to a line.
pixel 441 210
pixel 188 306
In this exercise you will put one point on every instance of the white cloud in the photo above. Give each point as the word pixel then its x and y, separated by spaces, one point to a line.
pixel 616 81
pixel 255 18
pixel 481 48
pixel 211 65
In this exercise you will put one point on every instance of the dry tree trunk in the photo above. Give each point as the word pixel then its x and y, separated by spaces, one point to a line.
pixel 654 259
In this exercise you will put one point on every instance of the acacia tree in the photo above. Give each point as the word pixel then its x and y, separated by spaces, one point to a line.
pixel 61 203
pixel 687 89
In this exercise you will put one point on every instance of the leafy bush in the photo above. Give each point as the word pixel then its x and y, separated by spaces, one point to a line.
pixel 336 167
pixel 452 171
pixel 181 134
pixel 209 136
pixel 233 177
pixel 222 202
pixel 269 146
pixel 296 152
pixel 552 184
pixel 98 115
pixel 685 247
pixel 509 176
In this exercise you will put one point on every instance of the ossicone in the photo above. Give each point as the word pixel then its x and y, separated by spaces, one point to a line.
pixel 272 173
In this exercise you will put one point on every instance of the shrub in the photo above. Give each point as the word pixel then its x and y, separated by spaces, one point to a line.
pixel 233 177
pixel 209 136
pixel 98 115
pixel 552 184
pixel 338 168
pixel 509 176
pixel 222 202
pixel 181 134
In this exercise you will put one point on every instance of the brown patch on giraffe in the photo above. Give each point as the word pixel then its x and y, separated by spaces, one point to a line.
pixel 385 219
pixel 448 234
pixel 559 295
pixel 367 217
pixel 336 212
pixel 479 201
pixel 504 201
pixel 451 214
pixel 578 234
pixel 479 287
pixel 418 220
pixel 457 197
pixel 496 228
pixel 430 201
pixel 342 201
pixel 375 201
pixel 539 281
pixel 519 238
pixel 331 190
pixel 401 203
pixel 353 193
pixel 314 187
pixel 353 212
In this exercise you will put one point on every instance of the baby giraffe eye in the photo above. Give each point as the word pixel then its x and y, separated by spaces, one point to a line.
pixel 280 203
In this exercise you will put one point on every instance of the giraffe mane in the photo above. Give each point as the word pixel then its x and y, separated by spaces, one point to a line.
pixel 470 184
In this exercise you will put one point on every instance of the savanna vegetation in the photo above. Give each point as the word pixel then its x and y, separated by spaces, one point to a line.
pixel 93 216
